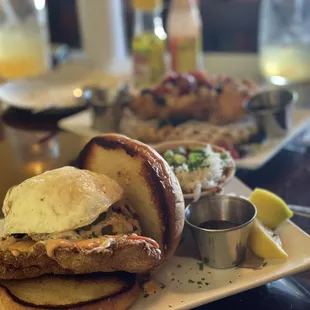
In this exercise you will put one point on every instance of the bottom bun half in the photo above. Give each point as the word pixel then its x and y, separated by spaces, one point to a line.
pixel 91 292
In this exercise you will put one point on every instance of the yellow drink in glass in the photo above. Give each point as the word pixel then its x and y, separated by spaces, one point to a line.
pixel 149 43
pixel 285 64
pixel 23 51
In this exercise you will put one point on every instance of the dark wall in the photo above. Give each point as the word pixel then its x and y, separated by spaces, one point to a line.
pixel 228 25
pixel 63 22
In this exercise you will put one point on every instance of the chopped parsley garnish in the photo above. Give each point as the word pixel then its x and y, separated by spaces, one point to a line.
pixel 135 228
pixel 179 159
pixel 146 295
pixel 3 238
pixel 189 159
pixel 194 166
pixel 194 157
pixel 205 166
pixel 199 149
pixel 201 265
pixel 93 235
pixel 191 281
pixel 224 156
pixel 199 282
pixel 168 154
pixel 195 160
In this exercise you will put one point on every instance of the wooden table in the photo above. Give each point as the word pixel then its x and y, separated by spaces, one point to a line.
pixel 29 145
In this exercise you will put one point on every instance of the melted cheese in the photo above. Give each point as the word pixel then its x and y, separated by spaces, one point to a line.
pixel 87 244
pixel 23 246
pixel 93 244
pixel 16 246
pixel 15 253
pixel 52 245
pixel 103 242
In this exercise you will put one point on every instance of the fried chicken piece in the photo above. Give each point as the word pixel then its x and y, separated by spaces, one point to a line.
pixel 144 106
pixel 31 259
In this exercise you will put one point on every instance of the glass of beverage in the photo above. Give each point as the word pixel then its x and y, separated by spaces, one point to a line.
pixel 24 41
pixel 284 41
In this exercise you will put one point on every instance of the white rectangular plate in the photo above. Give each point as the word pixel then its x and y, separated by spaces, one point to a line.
pixel 180 294
pixel 81 123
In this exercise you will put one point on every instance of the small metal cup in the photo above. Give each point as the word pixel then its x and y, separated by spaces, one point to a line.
pixel 221 248
pixel 106 106
pixel 273 111
pixel 100 110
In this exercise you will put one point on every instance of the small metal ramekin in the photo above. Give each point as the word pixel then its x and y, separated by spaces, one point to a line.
pixel 221 248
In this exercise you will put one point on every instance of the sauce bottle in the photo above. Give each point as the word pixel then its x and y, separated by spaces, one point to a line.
pixel 185 39
pixel 149 43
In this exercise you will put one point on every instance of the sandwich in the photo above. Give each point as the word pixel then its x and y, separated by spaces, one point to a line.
pixel 77 237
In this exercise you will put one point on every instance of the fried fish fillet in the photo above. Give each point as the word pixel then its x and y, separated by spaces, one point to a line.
pixel 29 259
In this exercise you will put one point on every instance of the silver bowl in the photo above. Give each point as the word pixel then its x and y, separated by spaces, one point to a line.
pixel 273 111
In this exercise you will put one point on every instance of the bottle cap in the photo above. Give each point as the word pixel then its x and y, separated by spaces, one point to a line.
pixel 147 5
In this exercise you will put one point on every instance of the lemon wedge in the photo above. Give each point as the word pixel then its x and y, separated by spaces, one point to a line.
pixel 265 243
pixel 271 209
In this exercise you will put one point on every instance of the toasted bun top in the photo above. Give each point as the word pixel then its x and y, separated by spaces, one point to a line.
pixel 58 200
pixel 150 186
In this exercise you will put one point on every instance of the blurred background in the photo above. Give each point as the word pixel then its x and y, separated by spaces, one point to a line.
pixel 71 69
pixel 228 25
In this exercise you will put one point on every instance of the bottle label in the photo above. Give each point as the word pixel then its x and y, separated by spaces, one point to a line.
pixel 185 54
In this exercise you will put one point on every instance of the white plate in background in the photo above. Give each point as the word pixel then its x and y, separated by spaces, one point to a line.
pixel 53 89
pixel 81 124
pixel 180 293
